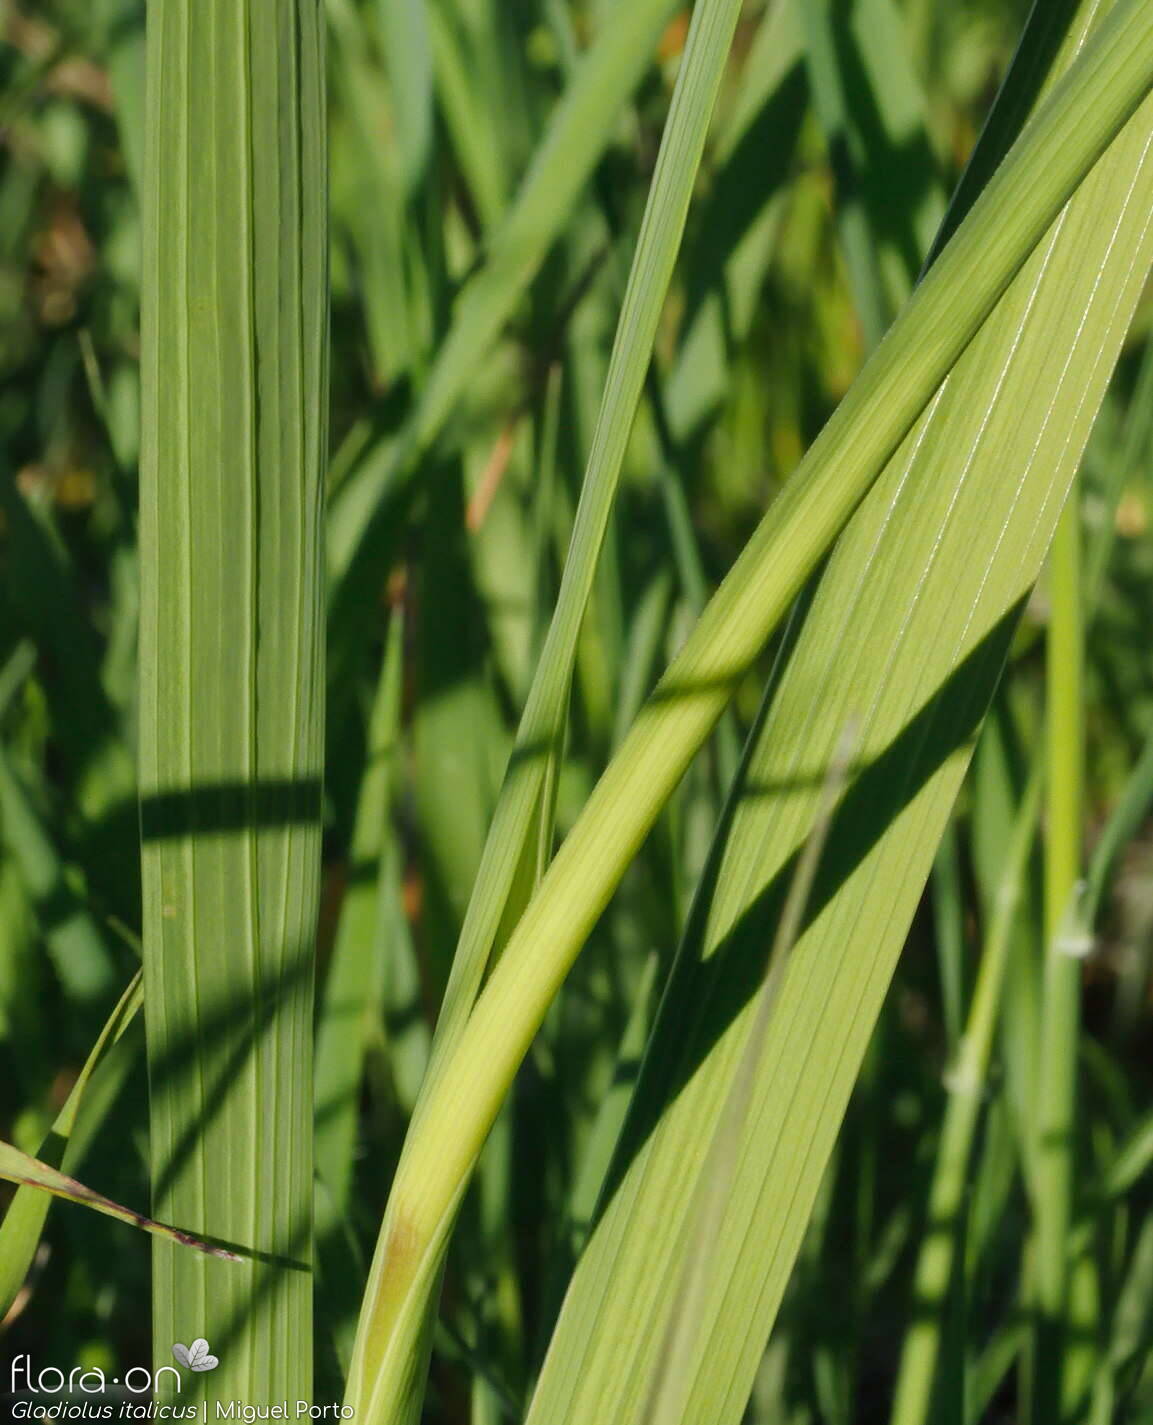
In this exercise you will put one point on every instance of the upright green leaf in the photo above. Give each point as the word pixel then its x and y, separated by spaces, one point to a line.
pixel 235 370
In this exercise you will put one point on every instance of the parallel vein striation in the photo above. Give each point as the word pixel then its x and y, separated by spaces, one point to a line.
pixel 907 634
pixel 235 373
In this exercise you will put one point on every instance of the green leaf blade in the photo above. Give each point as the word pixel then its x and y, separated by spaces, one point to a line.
pixel 908 632
pixel 235 369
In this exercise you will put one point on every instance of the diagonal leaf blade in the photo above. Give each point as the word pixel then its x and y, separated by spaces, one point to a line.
pixel 42 1178
pixel 908 631
pixel 1081 118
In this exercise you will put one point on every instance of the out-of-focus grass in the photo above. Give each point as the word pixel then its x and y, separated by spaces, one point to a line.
pixel 826 168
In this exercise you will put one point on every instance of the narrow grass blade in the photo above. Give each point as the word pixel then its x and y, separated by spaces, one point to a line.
pixel 354 988
pixel 404 34
pixel 873 114
pixel 234 445
pixel 24 1221
pixel 376 214
pixel 740 219
pixel 522 804
pixel 966 1083
pixel 471 123
pixel 522 821
pixel 18 1167
pixel 948 926
pixel 1052 1348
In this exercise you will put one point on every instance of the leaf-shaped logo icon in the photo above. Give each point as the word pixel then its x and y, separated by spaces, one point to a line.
pixel 197 1356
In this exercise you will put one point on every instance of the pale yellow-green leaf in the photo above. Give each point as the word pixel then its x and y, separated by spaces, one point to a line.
pixel 908 631
pixel 1056 151
pixel 520 835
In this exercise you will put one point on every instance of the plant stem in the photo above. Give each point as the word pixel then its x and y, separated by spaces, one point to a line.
pixel 966 1085
pixel 1064 945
